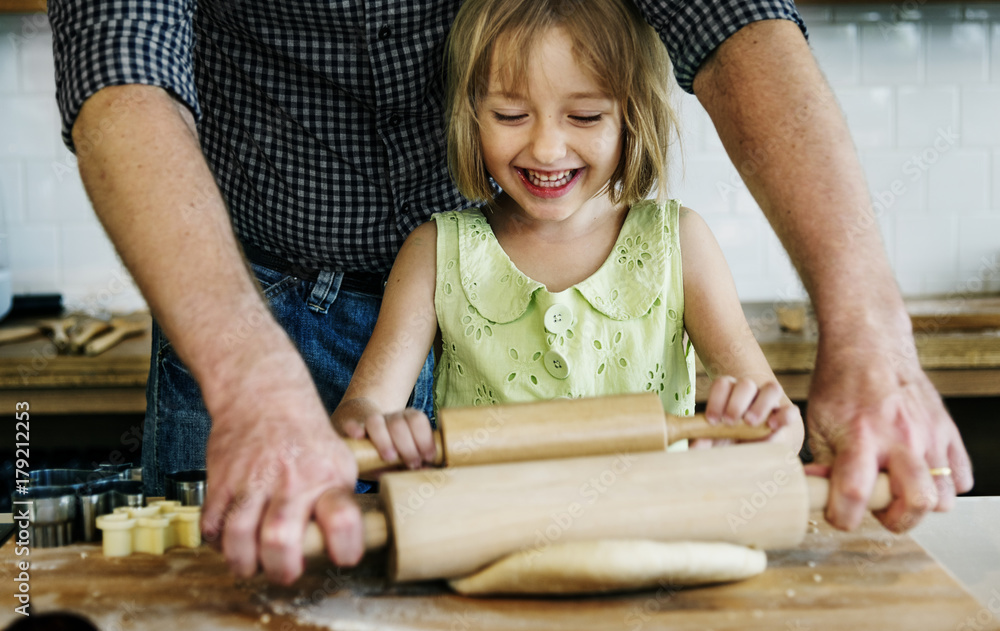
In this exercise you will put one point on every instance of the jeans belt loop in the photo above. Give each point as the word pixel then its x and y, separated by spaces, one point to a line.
pixel 325 290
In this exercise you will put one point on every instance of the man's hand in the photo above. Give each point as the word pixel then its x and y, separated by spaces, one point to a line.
pixel 872 408
pixel 870 404
pixel 274 463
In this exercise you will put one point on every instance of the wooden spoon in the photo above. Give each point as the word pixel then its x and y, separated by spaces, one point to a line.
pixel 120 329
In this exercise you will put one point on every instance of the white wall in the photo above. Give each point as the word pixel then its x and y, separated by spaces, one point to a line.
pixel 905 79
pixel 55 241
pixel 921 92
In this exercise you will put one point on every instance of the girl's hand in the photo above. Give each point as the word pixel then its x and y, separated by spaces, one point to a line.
pixel 405 434
pixel 732 400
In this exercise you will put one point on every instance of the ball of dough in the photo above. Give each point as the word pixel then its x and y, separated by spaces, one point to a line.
pixel 581 567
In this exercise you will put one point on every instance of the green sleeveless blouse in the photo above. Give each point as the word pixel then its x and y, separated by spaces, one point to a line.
pixel 506 338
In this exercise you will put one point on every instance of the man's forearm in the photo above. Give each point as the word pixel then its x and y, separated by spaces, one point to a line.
pixel 784 131
pixel 151 187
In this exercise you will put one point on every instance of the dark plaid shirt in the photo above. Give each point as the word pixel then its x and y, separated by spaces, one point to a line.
pixel 322 121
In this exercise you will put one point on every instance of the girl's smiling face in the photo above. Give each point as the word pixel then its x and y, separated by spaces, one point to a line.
pixel 553 148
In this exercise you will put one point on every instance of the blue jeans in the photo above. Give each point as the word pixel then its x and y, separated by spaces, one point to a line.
pixel 330 327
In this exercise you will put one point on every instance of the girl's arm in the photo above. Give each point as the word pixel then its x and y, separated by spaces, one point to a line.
pixel 388 369
pixel 744 387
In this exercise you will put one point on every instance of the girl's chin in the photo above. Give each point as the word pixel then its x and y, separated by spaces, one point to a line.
pixel 536 211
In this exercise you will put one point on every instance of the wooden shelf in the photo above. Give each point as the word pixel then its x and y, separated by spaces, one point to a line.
pixel 113 382
pixel 960 363
pixel 23 6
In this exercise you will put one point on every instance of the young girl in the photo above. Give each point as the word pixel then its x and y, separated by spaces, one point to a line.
pixel 566 281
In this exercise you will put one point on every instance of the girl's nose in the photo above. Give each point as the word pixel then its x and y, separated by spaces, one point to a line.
pixel 549 143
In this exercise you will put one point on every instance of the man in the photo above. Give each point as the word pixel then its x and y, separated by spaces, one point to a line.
pixel 319 126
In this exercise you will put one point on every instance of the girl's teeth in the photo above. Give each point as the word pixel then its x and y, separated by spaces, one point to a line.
pixel 549 180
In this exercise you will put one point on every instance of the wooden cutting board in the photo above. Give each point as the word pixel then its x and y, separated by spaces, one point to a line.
pixel 869 579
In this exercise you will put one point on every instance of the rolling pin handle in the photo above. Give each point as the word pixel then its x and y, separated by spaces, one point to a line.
pixel 819 493
pixel 681 427
pixel 369 460
pixel 376 534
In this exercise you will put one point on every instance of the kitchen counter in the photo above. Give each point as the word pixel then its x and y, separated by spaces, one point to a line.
pixel 959 362
pixel 52 383
pixel 869 579
pixel 966 541
pixel 23 6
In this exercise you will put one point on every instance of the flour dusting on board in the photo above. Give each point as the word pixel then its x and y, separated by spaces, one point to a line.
pixel 349 612
pixel 351 599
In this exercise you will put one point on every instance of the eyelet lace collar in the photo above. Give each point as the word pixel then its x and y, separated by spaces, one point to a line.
pixel 625 286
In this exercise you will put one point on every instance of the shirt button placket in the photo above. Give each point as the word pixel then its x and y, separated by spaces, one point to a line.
pixel 556 320
pixel 557 364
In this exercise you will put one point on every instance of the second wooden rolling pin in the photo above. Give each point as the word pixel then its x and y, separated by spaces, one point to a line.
pixel 560 428
pixel 445 523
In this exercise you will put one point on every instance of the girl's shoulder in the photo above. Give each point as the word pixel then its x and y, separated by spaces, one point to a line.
pixel 668 206
pixel 454 225
pixel 456 215
pixel 444 218
pixel 424 230
pixel 686 216
pixel 652 214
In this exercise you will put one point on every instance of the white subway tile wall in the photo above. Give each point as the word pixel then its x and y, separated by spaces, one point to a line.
pixel 922 111
pixel 995 180
pixel 958 183
pixel 926 243
pixel 995 50
pixel 871 112
pixel 37 65
pixel 11 183
pixel 919 85
pixel 34 257
pixel 898 47
pixel 836 48
pixel 9 83
pixel 55 241
pixel 981 115
pixel 889 185
pixel 957 52
pixel 977 246
pixel 920 89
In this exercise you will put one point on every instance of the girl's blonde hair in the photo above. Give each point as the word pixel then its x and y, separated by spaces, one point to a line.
pixel 610 39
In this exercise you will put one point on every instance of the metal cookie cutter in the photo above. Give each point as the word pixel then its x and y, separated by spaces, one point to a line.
pixel 102 497
pixel 51 515
pixel 63 504
pixel 186 486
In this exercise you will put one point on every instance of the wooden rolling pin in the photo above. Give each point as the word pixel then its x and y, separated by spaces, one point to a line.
pixel 560 428
pixel 445 523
